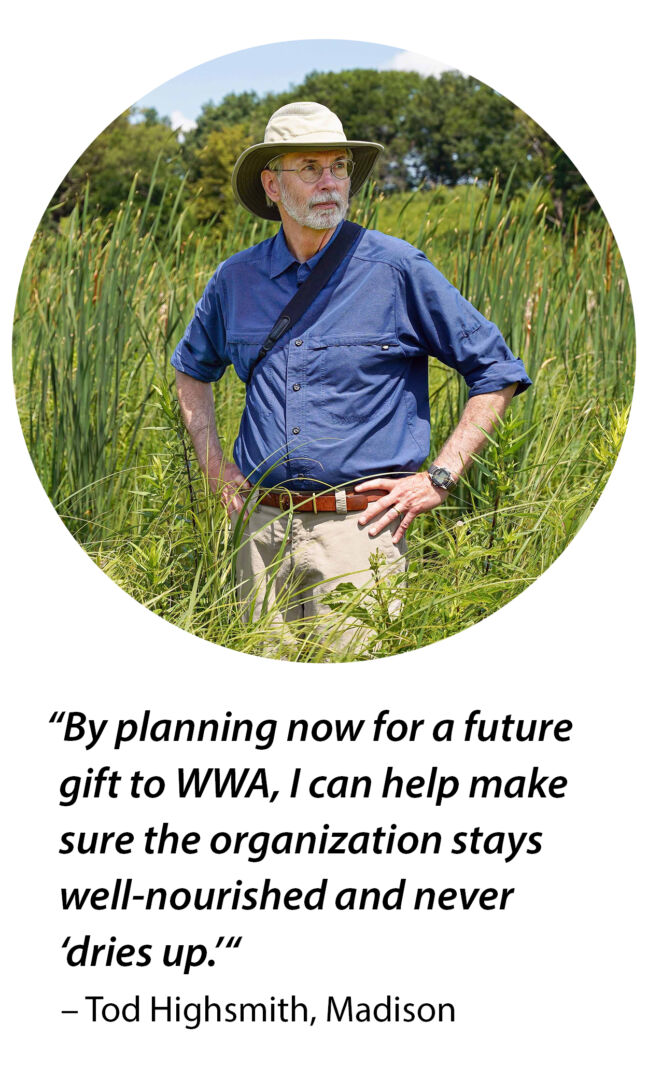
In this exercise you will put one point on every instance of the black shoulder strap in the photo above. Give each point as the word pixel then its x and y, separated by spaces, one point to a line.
pixel 315 282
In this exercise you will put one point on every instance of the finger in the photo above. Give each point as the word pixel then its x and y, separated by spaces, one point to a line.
pixel 388 519
pixel 378 507
pixel 236 505
pixel 234 508
pixel 231 501
pixel 403 527
pixel 384 482
pixel 235 486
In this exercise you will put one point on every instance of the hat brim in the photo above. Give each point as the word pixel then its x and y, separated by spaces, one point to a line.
pixel 246 177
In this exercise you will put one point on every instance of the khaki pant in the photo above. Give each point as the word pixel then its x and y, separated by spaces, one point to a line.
pixel 288 563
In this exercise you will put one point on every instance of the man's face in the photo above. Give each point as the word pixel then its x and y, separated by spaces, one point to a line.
pixel 321 205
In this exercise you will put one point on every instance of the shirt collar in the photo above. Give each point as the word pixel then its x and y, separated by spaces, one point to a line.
pixel 282 258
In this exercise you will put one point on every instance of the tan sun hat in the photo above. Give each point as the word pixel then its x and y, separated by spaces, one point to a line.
pixel 301 125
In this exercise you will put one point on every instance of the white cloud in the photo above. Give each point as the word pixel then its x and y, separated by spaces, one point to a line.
pixel 411 61
pixel 180 121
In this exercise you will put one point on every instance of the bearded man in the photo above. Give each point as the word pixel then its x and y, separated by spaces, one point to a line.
pixel 336 422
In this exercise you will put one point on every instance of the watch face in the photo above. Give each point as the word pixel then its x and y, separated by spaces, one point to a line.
pixel 441 477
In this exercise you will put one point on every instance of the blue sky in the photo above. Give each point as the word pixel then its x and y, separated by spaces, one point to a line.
pixel 272 67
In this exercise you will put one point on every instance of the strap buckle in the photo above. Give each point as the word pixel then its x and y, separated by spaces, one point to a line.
pixel 282 324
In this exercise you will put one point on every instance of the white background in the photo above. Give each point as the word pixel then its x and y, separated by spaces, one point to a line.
pixel 552 987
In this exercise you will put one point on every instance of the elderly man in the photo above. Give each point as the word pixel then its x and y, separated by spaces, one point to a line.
pixel 336 423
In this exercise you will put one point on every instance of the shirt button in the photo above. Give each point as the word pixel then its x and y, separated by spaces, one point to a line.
pixel 296 386
pixel 384 347
pixel 299 341
pixel 296 430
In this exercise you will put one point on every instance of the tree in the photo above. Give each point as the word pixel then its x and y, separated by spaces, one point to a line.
pixel 111 161
pixel 235 110
pixel 446 130
pixel 212 187
pixel 569 191
pixel 462 131
pixel 371 104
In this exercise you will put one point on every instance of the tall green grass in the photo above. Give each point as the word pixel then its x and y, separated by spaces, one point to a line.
pixel 102 305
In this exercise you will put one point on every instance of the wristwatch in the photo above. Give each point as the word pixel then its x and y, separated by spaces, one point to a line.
pixel 442 478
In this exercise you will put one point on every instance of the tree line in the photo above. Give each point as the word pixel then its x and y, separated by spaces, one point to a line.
pixel 436 131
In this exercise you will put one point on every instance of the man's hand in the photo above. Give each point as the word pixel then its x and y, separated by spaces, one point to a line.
pixel 405 499
pixel 413 495
pixel 229 485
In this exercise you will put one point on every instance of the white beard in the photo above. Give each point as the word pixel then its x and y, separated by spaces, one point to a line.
pixel 305 211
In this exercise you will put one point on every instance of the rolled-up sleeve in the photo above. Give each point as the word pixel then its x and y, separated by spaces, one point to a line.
pixel 202 352
pixel 458 335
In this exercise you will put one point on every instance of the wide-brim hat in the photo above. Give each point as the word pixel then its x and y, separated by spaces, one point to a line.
pixel 301 125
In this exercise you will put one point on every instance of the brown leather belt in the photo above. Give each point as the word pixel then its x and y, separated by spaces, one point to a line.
pixel 340 502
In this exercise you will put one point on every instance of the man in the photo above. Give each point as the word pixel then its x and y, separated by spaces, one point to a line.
pixel 337 412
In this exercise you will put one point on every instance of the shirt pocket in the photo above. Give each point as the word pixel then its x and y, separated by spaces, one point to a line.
pixel 355 376
pixel 265 393
pixel 243 349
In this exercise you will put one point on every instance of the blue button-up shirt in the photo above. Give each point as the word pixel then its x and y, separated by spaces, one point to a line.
pixel 344 394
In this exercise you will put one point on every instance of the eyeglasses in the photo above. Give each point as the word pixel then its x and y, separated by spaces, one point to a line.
pixel 311 173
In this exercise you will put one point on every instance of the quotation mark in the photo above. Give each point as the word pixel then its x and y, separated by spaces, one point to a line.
pixel 232 943
pixel 57 718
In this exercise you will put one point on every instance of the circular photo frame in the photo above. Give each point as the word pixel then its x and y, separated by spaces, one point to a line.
pixel 484 267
